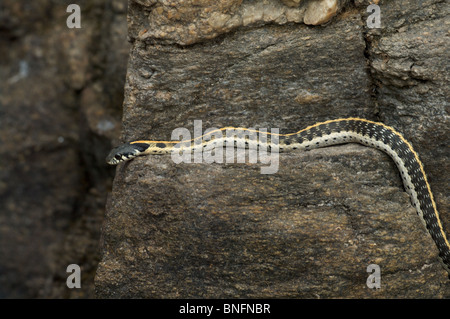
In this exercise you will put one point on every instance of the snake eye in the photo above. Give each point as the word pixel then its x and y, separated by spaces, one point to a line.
pixel 118 157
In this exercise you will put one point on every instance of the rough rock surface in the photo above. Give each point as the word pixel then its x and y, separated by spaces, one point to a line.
pixel 311 229
pixel 308 231
pixel 408 58
pixel 60 97
pixel 319 12
pixel 190 21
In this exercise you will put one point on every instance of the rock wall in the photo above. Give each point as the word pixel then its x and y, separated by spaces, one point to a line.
pixel 311 229
pixel 61 94
pixel 220 230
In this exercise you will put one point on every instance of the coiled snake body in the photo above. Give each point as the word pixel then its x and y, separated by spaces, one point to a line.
pixel 333 132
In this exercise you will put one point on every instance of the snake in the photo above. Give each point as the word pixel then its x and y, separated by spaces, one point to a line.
pixel 322 134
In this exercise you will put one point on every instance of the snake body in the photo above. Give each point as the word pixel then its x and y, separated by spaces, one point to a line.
pixel 332 132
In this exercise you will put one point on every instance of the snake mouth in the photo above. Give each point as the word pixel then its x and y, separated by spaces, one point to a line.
pixel 123 153
pixel 116 158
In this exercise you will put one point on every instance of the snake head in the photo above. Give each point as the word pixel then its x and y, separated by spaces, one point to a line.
pixel 125 152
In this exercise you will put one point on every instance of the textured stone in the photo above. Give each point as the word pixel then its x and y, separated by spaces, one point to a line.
pixel 292 3
pixel 321 11
pixel 186 23
pixel 225 230
pixel 241 81
pixel 60 97
pixel 407 56
pixel 308 231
